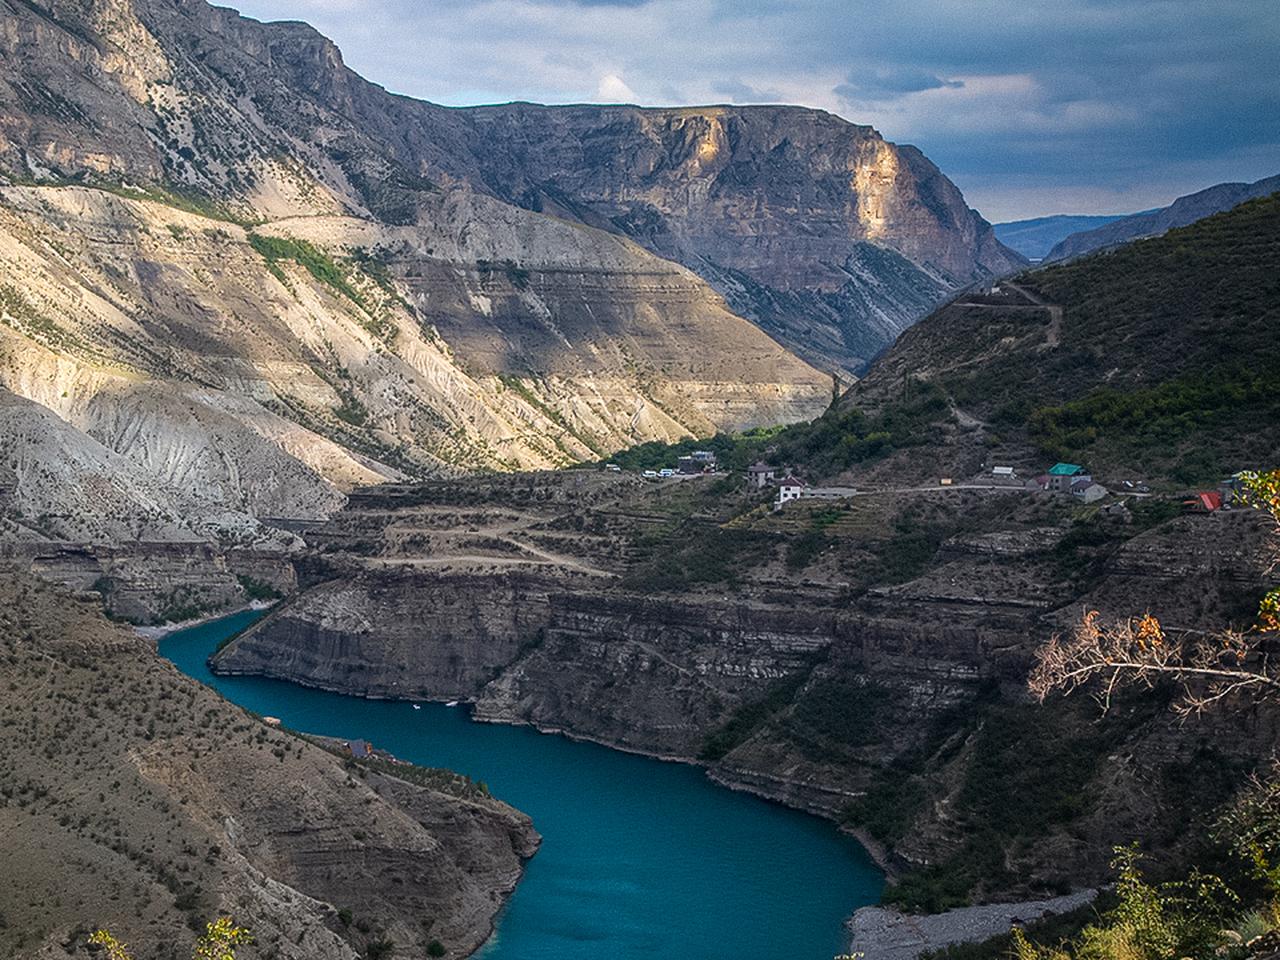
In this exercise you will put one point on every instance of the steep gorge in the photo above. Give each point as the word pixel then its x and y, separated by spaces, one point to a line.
pixel 833 687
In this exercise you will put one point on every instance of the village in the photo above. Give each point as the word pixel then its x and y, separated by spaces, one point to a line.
pixel 1062 479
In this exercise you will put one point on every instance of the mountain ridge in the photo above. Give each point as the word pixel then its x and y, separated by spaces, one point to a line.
pixel 1035 237
pixel 1184 211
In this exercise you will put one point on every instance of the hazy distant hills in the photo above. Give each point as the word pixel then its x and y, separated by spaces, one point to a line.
pixel 1034 238
pixel 1151 223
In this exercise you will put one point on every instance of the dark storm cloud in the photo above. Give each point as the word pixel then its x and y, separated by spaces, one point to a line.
pixel 890 83
pixel 1032 106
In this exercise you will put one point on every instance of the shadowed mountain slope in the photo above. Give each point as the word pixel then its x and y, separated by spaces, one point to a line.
pixel 1036 237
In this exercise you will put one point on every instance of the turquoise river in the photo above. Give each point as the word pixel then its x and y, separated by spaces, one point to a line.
pixel 640 858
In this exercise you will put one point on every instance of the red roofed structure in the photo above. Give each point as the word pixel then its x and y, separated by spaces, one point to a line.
pixel 1206 501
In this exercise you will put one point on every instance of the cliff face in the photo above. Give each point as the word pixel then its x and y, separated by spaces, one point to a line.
pixel 776 206
pixel 578 603
pixel 139 800
pixel 221 272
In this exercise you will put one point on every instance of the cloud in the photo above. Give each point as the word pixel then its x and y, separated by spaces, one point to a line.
pixel 739 92
pixel 613 89
pixel 890 83
pixel 1027 106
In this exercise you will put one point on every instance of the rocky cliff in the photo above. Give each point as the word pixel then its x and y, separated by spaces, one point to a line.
pixel 878 680
pixel 136 799
pixel 831 238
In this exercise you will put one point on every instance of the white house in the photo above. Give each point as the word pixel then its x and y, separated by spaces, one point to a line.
pixel 789 488
pixel 1002 472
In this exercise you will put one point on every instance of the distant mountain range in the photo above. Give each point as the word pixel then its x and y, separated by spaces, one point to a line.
pixel 1150 223
pixel 1034 238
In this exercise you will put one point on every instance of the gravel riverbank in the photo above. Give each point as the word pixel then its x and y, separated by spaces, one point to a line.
pixel 879 933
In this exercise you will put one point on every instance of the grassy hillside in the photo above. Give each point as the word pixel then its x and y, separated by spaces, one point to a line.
pixel 1161 356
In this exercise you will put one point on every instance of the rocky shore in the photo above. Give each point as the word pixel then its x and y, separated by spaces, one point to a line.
pixel 878 933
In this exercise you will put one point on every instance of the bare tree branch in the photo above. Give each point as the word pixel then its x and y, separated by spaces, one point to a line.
pixel 1139 651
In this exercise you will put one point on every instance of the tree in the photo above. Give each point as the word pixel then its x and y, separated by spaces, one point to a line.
pixel 219 942
pixel 1141 651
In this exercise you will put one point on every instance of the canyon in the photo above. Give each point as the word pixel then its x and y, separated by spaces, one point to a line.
pixel 865 657
pixel 229 256
pixel 827 687
pixel 272 334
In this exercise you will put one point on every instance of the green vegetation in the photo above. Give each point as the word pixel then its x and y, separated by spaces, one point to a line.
pixel 833 442
pixel 188 201
pixel 1199 915
pixel 517 385
pixel 316 262
pixel 841 438
pixel 338 278
pixel 18 312
pixel 258 589
pixel 734 451
pixel 438 779
pixel 1153 426
pixel 1028 772
pixel 219 941
pixel 516 275
pixel 1168 354
pixel 837 715
pixel 749 717
pixel 806 548
pixel 183 603
pixel 705 555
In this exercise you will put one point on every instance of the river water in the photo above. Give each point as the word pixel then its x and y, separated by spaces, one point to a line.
pixel 640 859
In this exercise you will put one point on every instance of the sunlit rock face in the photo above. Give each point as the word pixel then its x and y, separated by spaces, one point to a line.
pixel 771 204
pixel 220 263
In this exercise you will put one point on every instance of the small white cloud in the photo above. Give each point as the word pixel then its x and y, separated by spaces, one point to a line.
pixel 613 89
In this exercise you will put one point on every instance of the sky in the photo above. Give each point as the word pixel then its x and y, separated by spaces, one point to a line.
pixel 1032 107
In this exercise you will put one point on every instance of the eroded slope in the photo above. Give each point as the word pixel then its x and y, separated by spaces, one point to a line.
pixel 137 799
